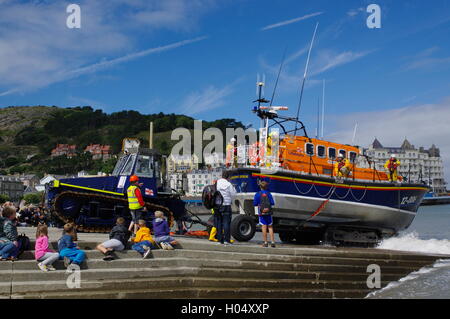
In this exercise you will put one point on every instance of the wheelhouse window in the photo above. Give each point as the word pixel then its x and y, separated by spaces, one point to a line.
pixel 331 152
pixel 352 156
pixel 309 149
pixel 343 152
pixel 321 151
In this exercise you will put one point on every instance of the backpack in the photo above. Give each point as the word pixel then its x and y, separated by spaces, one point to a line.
pixel 24 243
pixel 211 197
pixel 265 207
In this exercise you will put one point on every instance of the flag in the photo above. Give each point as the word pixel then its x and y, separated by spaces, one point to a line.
pixel 148 192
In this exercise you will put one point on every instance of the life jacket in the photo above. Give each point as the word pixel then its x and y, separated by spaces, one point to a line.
pixel 341 164
pixel 133 202
pixel 253 154
pixel 230 155
pixel 392 165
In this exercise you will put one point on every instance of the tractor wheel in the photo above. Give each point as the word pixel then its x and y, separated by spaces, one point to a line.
pixel 243 228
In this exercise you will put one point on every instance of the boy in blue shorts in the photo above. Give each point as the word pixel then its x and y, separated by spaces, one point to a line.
pixel 263 200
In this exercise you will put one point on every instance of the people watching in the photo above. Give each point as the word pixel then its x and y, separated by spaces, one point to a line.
pixel 222 216
pixel 43 255
pixel 118 238
pixel 68 250
pixel 263 202
pixel 143 240
pixel 9 246
pixel 161 231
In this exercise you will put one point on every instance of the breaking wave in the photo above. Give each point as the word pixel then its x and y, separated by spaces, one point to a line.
pixel 428 282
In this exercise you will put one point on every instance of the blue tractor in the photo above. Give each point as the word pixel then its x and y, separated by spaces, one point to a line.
pixel 94 203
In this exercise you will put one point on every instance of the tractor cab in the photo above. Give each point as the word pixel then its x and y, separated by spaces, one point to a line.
pixel 144 163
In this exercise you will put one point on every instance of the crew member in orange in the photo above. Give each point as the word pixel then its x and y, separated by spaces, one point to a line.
pixel 342 166
pixel 391 166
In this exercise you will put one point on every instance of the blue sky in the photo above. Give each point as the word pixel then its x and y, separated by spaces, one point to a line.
pixel 201 57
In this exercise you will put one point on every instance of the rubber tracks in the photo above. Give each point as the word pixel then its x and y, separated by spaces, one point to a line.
pixel 85 197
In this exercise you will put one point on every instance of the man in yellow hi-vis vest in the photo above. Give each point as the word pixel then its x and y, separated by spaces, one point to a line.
pixel 135 202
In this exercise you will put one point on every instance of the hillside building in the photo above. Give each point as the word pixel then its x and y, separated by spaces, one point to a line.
pixel 64 149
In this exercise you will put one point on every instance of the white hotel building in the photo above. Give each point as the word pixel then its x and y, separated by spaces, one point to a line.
pixel 417 165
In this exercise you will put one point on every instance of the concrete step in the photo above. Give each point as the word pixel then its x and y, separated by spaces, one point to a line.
pixel 176 282
pixel 101 274
pixel 291 250
pixel 244 256
pixel 193 293
pixel 222 264
pixel 263 274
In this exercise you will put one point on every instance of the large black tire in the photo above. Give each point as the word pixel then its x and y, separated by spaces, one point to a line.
pixel 243 228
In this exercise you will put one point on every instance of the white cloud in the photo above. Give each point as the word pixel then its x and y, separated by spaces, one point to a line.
pixel 37 48
pixel 328 59
pixel 283 23
pixel 422 125
pixel 206 100
pixel 354 12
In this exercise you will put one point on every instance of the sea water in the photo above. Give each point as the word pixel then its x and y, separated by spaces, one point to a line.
pixel 429 233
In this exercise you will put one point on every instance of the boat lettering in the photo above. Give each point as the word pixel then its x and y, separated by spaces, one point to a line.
pixel 408 200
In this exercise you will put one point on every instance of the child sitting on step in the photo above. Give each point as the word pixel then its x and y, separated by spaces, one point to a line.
pixel 143 240
pixel 161 231
pixel 43 255
pixel 118 238
pixel 68 250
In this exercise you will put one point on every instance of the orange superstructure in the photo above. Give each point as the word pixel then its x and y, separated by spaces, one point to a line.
pixel 317 157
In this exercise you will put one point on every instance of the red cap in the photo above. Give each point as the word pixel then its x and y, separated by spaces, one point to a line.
pixel 134 178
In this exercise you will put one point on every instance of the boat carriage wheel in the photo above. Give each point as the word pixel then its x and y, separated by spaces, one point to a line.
pixel 243 227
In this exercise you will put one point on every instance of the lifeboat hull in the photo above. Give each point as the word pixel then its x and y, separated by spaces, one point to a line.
pixel 386 208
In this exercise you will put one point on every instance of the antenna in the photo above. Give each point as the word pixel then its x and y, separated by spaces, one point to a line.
pixel 354 134
pixel 278 77
pixel 323 106
pixel 318 118
pixel 304 76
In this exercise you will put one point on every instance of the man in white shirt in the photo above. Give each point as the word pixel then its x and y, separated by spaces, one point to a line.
pixel 222 217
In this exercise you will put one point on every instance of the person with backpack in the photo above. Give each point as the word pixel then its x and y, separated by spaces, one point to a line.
pixel 263 202
pixel 222 215
pixel 118 238
pixel 9 244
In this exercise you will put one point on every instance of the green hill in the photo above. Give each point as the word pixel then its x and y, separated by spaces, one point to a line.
pixel 29 133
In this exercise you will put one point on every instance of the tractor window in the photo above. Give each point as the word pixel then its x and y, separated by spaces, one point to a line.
pixel 129 165
pixel 144 166
pixel 352 156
